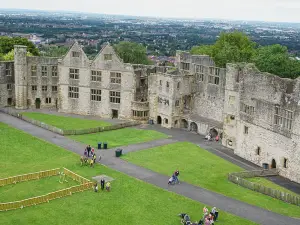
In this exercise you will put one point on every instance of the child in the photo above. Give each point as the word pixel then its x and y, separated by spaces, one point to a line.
pixel 170 180
pixel 93 151
pixel 94 158
pixel 92 163
pixel 96 187
pixel 108 186
pixel 85 152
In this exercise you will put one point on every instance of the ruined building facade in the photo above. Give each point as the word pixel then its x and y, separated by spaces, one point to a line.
pixel 256 114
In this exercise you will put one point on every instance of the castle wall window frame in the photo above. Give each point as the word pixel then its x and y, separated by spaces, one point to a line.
pixel 177 103
pixel 214 75
pixel 34 88
pixel 247 109
pixel 160 82
pixel 96 95
pixel 185 66
pixel 44 88
pixel 283 118
pixel 96 76
pixel 140 113
pixel 33 70
pixel 73 92
pixel 48 100
pixel 107 57
pixel 54 88
pixel 199 77
pixel 54 71
pixel 8 70
pixel 9 87
pixel 115 78
pixel 44 71
pixel 75 54
pixel 115 97
pixel 246 130
pixel 199 69
pixel 74 74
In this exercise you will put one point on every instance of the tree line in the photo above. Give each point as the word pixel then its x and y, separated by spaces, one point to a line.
pixel 237 47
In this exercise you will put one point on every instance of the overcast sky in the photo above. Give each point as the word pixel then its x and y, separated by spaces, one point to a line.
pixel 264 10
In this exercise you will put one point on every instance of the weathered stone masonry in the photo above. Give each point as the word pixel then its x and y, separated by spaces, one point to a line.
pixel 257 114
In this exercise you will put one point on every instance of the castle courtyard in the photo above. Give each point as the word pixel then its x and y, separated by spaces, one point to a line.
pixel 194 192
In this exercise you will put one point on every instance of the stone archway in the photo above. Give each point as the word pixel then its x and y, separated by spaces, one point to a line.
pixel 213 132
pixel 159 120
pixel 184 124
pixel 194 127
pixel 273 165
pixel 166 121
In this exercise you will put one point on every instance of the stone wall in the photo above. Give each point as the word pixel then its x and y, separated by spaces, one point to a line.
pixel 7 83
pixel 251 126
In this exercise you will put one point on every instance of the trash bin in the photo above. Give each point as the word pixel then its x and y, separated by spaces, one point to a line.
pixel 118 152
pixel 265 166
pixel 105 145
pixel 99 145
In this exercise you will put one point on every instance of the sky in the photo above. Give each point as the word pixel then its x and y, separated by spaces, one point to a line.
pixel 260 10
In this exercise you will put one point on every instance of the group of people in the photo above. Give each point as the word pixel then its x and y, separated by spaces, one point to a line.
pixel 174 178
pixel 209 137
pixel 102 183
pixel 87 152
pixel 207 218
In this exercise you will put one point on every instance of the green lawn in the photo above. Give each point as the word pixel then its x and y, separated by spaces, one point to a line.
pixel 33 188
pixel 200 167
pixel 130 202
pixel 64 122
pixel 121 137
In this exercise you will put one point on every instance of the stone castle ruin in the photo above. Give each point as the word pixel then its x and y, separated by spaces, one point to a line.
pixel 255 113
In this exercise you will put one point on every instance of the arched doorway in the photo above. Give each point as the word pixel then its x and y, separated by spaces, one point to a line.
pixel 213 132
pixel 273 165
pixel 194 127
pixel 158 120
pixel 184 124
pixel 166 121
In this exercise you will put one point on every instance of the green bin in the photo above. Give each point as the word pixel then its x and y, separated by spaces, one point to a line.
pixel 118 152
pixel 105 145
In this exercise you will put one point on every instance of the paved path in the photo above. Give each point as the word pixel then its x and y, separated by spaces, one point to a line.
pixel 253 213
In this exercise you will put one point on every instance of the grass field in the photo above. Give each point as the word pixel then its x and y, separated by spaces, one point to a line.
pixel 64 122
pixel 130 202
pixel 202 168
pixel 121 137
pixel 33 188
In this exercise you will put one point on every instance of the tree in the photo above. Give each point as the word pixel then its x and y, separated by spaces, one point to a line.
pixel 10 56
pixel 54 51
pixel 132 52
pixel 229 48
pixel 276 59
pixel 7 44
pixel 202 50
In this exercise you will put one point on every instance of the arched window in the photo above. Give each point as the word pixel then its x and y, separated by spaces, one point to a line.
pixel 178 85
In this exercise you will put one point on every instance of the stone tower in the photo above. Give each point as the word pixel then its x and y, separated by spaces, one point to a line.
pixel 20 63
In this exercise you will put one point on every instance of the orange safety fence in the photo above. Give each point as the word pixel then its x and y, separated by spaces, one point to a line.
pixel 30 176
pixel 85 185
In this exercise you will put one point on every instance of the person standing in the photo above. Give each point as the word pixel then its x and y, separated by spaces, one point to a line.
pixel 102 182
pixel 89 150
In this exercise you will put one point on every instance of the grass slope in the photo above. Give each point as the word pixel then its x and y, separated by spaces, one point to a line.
pixel 64 122
pixel 130 202
pixel 202 168
pixel 121 137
